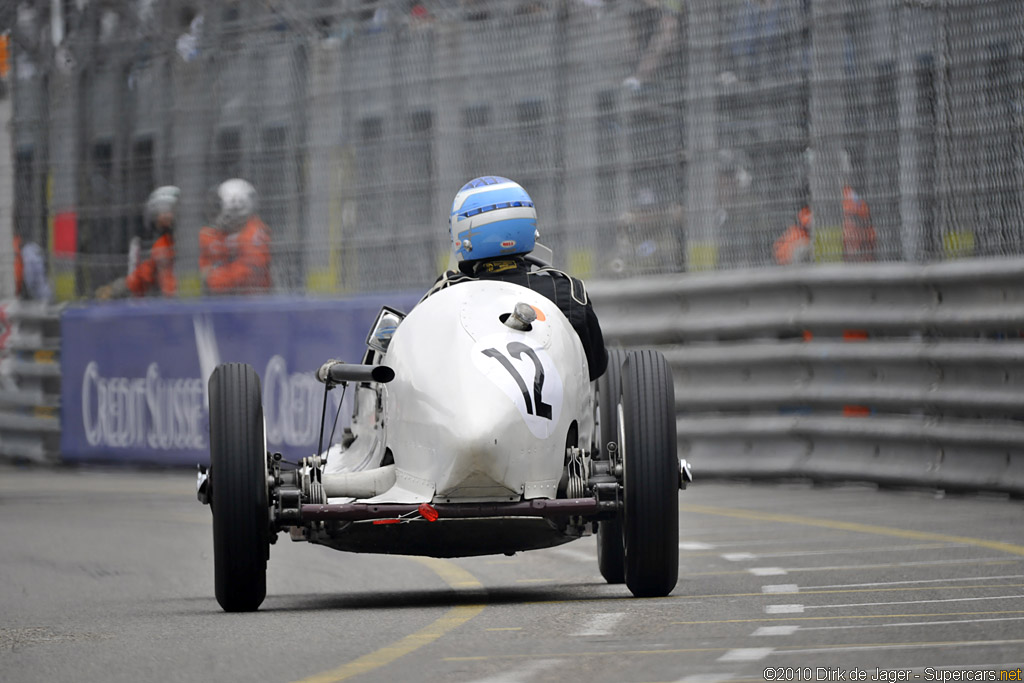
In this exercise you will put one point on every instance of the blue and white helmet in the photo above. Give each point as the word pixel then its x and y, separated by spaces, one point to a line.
pixel 492 216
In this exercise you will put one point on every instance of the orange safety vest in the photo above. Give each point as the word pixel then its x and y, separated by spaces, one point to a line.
pixel 157 270
pixel 858 232
pixel 19 268
pixel 237 262
pixel 797 237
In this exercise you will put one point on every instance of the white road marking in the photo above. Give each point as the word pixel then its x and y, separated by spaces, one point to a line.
pixel 600 624
pixel 903 646
pixel 746 654
pixel 522 674
pixel 695 545
pixel 751 543
pixel 767 571
pixel 925 563
pixel 899 583
pixel 785 630
pixel 738 557
pixel 910 623
pixel 842 551
pixel 916 602
pixel 575 554
pixel 781 588
pixel 784 609
pixel 706 678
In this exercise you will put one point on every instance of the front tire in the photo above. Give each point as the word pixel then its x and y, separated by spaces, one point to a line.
pixel 647 442
pixel 238 488
pixel 611 555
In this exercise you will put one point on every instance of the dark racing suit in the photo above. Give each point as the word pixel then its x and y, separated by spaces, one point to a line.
pixel 567 292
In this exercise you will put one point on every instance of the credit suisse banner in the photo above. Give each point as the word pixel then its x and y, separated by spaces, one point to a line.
pixel 135 373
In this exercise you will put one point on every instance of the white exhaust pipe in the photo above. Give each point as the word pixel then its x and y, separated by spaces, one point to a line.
pixel 364 484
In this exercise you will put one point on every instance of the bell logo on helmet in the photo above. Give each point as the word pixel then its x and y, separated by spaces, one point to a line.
pixel 508 244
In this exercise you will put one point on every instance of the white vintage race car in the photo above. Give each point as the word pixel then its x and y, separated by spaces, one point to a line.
pixel 475 431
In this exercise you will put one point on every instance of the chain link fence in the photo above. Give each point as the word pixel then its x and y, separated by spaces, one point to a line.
pixel 654 136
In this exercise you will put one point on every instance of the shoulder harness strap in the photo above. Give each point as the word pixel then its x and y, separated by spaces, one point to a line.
pixel 577 290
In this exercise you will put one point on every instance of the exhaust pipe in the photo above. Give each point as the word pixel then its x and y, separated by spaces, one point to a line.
pixel 364 484
pixel 339 372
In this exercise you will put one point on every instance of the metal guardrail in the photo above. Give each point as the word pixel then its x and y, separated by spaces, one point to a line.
pixel 30 381
pixel 892 373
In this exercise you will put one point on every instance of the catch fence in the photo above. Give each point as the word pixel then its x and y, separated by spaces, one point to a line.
pixel 654 137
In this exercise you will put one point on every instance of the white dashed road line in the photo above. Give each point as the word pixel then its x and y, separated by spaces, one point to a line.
pixel 695 545
pixel 900 583
pixel 522 674
pixel 859 551
pixel 767 571
pixel 746 654
pixel 600 624
pixel 781 588
pixel 738 557
pixel 706 678
pixel 903 646
pixel 910 623
pixel 782 630
pixel 784 609
pixel 916 602
pixel 575 554
pixel 923 563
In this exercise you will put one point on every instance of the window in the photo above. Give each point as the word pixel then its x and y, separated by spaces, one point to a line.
pixel 416 206
pixel 228 151
pixel 371 184
pixel 140 182
pixel 476 146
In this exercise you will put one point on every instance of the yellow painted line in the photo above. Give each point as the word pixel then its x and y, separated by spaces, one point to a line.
pixel 735 513
pixel 858 616
pixel 452 574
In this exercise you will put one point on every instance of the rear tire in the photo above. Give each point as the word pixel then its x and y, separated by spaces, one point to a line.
pixel 611 555
pixel 647 443
pixel 238 488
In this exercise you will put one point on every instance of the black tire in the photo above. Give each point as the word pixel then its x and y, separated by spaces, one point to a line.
pixel 650 475
pixel 238 488
pixel 611 555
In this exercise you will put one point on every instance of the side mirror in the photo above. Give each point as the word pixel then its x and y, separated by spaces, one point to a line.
pixel 384 328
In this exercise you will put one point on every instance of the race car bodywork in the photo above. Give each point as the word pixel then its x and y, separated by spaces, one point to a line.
pixel 475 430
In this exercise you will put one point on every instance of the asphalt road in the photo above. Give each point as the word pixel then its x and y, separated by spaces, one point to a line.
pixel 108 576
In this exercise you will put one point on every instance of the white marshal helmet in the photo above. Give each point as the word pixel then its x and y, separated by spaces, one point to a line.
pixel 492 216
pixel 236 199
pixel 162 200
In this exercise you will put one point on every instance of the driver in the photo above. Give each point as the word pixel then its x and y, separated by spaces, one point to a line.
pixel 151 254
pixel 493 225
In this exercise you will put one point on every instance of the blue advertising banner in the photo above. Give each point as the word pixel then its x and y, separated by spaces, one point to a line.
pixel 134 373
